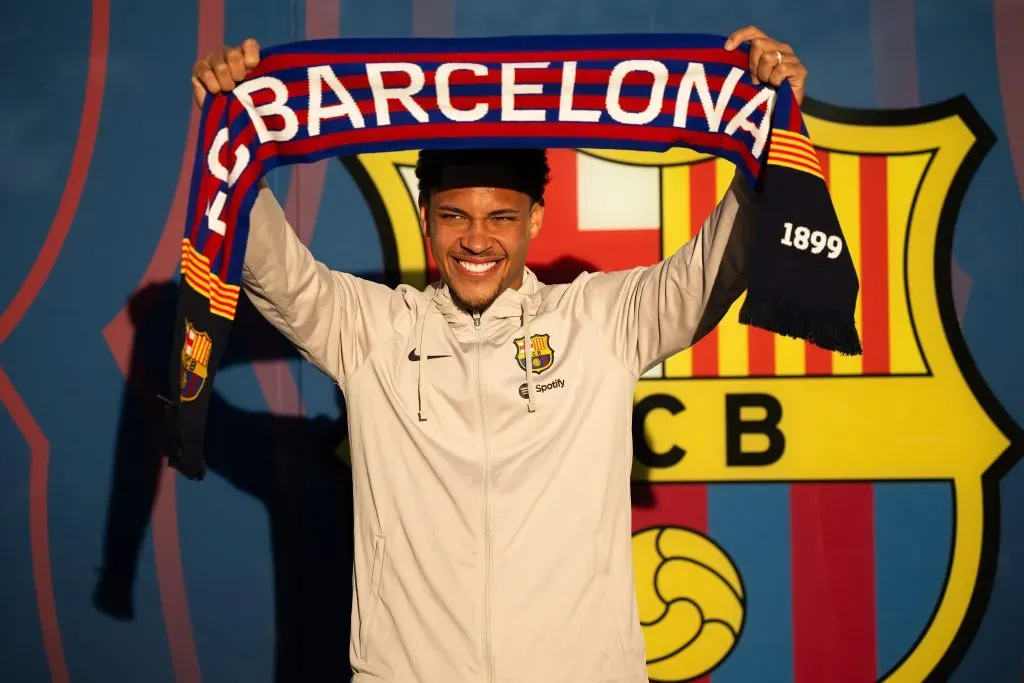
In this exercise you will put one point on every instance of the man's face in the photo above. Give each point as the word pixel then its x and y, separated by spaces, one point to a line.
pixel 479 238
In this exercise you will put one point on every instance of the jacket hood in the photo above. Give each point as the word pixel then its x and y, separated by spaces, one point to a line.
pixel 509 303
pixel 512 303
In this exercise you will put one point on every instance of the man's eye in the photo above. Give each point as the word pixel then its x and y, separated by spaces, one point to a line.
pixel 450 216
pixel 506 219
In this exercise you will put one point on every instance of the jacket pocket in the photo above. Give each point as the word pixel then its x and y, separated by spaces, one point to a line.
pixel 373 599
pixel 612 622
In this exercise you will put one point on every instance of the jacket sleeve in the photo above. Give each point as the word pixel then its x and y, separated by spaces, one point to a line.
pixel 324 313
pixel 653 312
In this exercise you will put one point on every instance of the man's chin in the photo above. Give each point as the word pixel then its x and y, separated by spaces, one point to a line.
pixel 474 299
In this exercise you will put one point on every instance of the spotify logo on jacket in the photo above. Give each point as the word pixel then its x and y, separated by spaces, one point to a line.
pixel 541 388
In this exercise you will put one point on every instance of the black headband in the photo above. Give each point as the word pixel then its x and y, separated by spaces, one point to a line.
pixel 454 176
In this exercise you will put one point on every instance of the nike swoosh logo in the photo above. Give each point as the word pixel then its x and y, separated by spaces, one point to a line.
pixel 413 356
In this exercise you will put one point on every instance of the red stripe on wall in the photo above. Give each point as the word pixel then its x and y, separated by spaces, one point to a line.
pixel 39 535
pixel 819 361
pixel 433 18
pixel 874 264
pixel 1009 21
pixel 680 505
pixel 684 505
pixel 170 575
pixel 301 209
pixel 39 445
pixel 760 352
pixel 833 524
pixel 893 46
pixel 703 193
pixel 833 583
pixel 170 572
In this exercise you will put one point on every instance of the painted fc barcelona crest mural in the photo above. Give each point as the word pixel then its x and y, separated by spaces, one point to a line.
pixel 785 498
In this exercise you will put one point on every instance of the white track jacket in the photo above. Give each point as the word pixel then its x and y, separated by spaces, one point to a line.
pixel 492 495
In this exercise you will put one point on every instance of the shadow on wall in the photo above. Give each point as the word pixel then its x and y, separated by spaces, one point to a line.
pixel 287 463
pixel 290 464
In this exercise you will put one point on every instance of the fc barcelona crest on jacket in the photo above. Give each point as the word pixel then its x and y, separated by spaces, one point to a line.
pixel 195 358
pixel 543 354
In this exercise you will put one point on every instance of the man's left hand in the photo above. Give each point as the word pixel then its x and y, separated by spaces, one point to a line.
pixel 770 61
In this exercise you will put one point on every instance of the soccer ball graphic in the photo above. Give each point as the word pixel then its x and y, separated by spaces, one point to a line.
pixel 691 602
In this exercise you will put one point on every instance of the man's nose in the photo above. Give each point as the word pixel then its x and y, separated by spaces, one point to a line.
pixel 476 239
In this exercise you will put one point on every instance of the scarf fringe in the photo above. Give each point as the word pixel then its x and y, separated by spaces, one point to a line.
pixel 822 327
pixel 182 443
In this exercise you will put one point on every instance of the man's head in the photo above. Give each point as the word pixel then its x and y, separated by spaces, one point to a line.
pixel 479 209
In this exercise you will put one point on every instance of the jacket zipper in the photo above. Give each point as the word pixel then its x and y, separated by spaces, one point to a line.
pixel 488 653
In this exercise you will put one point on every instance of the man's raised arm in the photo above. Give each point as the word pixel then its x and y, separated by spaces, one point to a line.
pixel 324 313
pixel 653 312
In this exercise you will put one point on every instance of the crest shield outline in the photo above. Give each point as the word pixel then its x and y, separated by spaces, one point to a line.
pixel 930 154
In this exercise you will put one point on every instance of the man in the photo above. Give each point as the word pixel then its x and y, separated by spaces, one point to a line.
pixel 493 520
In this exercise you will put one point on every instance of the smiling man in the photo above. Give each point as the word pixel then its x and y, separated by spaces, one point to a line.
pixel 479 209
pixel 490 414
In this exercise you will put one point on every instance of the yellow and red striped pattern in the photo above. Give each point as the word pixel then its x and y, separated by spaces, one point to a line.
pixel 199 348
pixel 795 151
pixel 873 197
pixel 195 268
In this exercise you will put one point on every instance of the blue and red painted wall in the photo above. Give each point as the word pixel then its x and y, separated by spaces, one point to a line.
pixel 117 570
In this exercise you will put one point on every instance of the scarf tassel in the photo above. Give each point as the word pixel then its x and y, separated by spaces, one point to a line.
pixel 822 327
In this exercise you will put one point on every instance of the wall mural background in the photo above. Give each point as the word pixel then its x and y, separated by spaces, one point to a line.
pixel 822 519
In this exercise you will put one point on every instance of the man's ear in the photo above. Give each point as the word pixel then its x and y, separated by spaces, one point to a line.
pixel 424 217
pixel 536 218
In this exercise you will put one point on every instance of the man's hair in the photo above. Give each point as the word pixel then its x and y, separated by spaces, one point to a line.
pixel 523 170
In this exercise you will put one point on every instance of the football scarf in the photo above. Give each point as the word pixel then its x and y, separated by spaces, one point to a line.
pixel 322 98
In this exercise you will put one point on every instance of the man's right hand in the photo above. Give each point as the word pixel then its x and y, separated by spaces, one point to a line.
pixel 220 70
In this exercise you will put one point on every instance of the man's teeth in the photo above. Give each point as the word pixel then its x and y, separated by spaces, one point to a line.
pixel 478 267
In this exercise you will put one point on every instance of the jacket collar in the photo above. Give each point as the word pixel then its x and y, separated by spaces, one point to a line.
pixel 512 304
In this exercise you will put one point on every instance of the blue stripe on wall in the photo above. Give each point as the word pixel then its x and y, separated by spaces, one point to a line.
pixel 988 243
pixel 64 371
pixel 913 541
pixel 39 134
pixel 346 236
pixel 78 412
pixel 990 238
pixel 225 530
pixel 838 59
pixel 22 656
pixel 528 17
pixel 270 22
pixel 376 19
pixel 997 653
pixel 751 523
pixel 60 362
pixel 225 536
pixel 136 161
